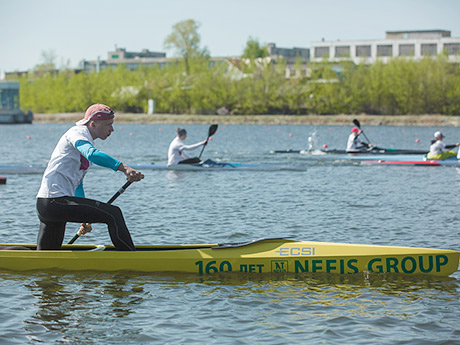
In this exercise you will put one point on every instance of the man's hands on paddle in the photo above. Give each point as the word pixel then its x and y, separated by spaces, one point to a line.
pixel 131 174
pixel 84 229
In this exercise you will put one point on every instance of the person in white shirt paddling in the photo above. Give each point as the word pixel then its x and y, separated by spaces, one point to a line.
pixel 61 197
pixel 437 148
pixel 354 143
pixel 176 154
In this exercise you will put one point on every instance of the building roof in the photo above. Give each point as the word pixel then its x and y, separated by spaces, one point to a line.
pixel 418 31
pixel 9 85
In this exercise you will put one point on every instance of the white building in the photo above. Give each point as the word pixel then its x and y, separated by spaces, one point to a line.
pixel 410 44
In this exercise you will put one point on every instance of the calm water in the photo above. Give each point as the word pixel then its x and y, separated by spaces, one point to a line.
pixel 333 200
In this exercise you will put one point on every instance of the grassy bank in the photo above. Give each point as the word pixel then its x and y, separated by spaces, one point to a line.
pixel 369 120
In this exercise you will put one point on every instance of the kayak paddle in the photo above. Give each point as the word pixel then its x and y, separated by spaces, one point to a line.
pixel 211 131
pixel 357 124
pixel 112 199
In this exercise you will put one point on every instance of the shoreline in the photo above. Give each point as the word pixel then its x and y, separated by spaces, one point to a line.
pixel 368 120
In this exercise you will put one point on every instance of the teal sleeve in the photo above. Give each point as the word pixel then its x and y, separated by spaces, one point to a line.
pixel 79 192
pixel 95 156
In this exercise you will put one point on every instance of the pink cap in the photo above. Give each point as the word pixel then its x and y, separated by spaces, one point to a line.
pixel 97 112
pixel 355 129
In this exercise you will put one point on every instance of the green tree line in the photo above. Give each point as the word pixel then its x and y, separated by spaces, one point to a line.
pixel 198 85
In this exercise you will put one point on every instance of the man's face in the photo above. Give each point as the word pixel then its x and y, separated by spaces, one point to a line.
pixel 101 128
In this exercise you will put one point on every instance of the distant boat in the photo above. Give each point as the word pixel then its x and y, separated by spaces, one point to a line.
pixel 372 151
pixel 9 104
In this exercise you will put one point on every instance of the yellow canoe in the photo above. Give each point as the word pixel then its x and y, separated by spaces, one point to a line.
pixel 259 256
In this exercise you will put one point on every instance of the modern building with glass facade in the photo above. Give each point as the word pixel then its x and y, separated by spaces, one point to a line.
pixel 290 55
pixel 132 60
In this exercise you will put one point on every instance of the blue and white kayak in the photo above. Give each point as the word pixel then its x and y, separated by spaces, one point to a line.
pixel 213 165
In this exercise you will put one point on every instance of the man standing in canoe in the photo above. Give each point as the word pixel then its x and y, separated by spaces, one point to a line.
pixel 176 154
pixel 437 148
pixel 61 197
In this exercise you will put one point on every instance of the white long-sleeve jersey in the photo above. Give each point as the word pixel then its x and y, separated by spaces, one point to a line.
pixel 176 150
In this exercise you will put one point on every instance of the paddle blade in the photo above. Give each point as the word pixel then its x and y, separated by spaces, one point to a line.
pixel 212 130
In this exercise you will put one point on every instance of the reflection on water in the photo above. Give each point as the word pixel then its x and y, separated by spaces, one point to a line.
pixel 173 175
pixel 67 304
pixel 140 308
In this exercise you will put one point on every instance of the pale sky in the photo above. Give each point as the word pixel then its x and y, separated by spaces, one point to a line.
pixel 85 29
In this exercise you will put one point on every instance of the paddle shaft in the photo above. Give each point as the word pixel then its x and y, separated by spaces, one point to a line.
pixel 356 122
pixel 211 131
pixel 199 157
pixel 112 199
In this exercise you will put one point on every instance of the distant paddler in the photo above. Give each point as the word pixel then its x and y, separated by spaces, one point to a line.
pixel 437 148
pixel 177 148
pixel 355 144
pixel 61 197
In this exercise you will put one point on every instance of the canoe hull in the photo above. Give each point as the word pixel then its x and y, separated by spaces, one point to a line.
pixel 226 166
pixel 262 256
pixel 377 151
pixel 428 162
